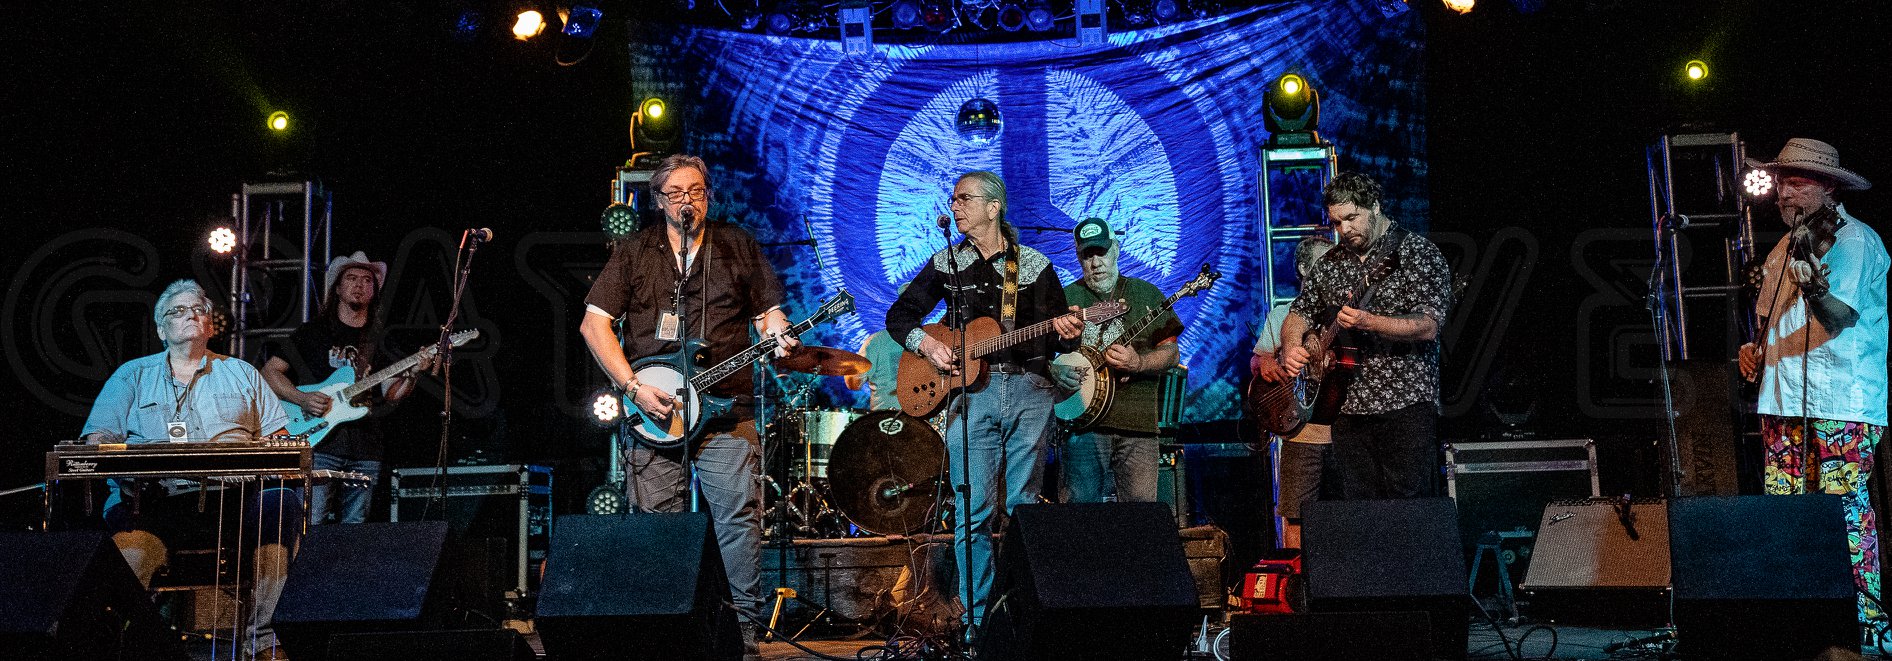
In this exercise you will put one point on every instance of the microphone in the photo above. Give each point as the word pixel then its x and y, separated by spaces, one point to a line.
pixel 689 217
pixel 944 221
pixel 483 234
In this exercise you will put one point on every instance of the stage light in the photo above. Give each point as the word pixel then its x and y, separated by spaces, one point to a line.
pixel 607 498
pixel 905 14
pixel 605 409
pixel 978 122
pixel 1012 17
pixel 466 25
pixel 1696 70
pixel 1758 183
pixel 655 128
pixel 582 21
pixel 780 21
pixel 653 108
pixel 1038 16
pixel 1460 6
pixel 529 25
pixel 278 121
pixel 937 17
pixel 1166 10
pixel 619 220
pixel 222 240
pixel 1291 111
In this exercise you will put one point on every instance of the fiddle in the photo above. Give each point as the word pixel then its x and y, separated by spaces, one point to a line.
pixel 1810 241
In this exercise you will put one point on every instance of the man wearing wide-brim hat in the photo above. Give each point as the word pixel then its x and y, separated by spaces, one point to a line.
pixel 1821 355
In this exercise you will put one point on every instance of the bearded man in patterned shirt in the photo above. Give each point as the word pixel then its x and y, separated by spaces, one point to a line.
pixel 1385 438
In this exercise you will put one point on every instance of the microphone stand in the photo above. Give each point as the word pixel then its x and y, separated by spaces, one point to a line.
pixel 469 242
pixel 1657 303
pixel 955 311
pixel 686 398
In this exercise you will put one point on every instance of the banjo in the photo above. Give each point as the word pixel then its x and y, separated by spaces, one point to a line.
pixel 1098 390
pixel 665 372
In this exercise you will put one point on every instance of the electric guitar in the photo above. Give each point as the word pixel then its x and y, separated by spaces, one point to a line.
pixel 1315 395
pixel 665 372
pixel 924 387
pixel 1099 387
pixel 342 389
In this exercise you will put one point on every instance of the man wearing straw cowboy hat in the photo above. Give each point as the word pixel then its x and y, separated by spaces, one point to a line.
pixel 1820 357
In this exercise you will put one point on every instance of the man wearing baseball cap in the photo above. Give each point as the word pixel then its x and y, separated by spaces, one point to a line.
pixel 1118 455
pixel 1820 356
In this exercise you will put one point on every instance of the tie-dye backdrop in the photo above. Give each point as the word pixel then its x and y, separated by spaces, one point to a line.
pixel 1157 132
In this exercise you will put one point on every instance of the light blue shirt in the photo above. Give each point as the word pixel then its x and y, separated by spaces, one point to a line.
pixel 1844 372
pixel 230 402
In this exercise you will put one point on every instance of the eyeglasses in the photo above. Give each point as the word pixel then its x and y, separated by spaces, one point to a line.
pixel 965 198
pixel 186 310
pixel 685 196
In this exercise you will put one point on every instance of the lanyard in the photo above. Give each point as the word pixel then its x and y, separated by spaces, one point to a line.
pixel 177 410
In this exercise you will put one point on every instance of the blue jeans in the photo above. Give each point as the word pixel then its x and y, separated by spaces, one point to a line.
pixel 728 469
pixel 1010 424
pixel 354 496
pixel 1096 462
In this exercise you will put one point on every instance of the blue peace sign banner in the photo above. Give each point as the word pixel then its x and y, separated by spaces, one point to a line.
pixel 1157 132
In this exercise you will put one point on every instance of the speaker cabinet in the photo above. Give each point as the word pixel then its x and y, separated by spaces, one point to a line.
pixel 70 595
pixel 1058 595
pixel 1389 556
pixel 1762 577
pixel 636 586
pixel 1587 567
pixel 457 645
pixel 360 577
pixel 1402 636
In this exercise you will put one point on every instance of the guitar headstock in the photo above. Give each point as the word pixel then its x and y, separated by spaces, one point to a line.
pixel 1202 281
pixel 841 304
pixel 463 337
pixel 1104 311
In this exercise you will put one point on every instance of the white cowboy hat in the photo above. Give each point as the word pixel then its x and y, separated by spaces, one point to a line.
pixel 1809 155
pixel 357 260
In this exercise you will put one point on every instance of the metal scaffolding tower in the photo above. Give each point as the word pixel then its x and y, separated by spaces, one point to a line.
pixel 284 231
pixel 1287 173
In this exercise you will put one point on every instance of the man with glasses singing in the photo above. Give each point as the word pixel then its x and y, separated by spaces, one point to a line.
pixel 690 278
pixel 1009 419
pixel 188 393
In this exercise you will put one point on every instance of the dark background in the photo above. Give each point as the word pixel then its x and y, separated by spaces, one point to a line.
pixel 144 117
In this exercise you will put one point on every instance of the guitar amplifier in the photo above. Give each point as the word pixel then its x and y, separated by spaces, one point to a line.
pixel 512 503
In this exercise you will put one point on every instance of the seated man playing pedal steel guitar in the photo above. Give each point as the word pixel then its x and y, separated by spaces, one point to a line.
pixel 693 279
pixel 1010 418
pixel 1385 436
pixel 188 393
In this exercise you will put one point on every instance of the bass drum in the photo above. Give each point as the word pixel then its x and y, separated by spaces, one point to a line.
pixel 885 472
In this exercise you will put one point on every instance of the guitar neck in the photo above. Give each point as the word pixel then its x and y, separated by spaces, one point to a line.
pixel 714 375
pixel 1149 320
pixel 1008 340
pixel 375 379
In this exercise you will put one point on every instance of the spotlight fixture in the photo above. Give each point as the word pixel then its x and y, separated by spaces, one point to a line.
pixel 978 122
pixel 607 498
pixel 278 121
pixel 1038 16
pixel 780 21
pixel 1012 17
pixel 529 25
pixel 1460 6
pixel 1166 10
pixel 937 17
pixel 1758 183
pixel 619 220
pixel 605 409
pixel 905 14
pixel 582 21
pixel 466 25
pixel 1695 70
pixel 1291 111
pixel 222 240
pixel 655 128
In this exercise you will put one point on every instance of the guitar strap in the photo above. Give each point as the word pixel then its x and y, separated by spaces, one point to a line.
pixel 1008 308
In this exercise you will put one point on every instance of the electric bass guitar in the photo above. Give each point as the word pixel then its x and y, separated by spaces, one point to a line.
pixel 692 404
pixel 342 390
pixel 1315 395
pixel 1098 389
pixel 924 387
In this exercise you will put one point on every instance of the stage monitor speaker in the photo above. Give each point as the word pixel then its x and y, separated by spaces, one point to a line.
pixel 455 645
pixel 357 578
pixel 1762 577
pixel 1403 636
pixel 1057 595
pixel 1389 556
pixel 1587 569
pixel 70 595
pixel 636 586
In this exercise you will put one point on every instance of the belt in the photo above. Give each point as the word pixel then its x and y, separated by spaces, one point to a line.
pixel 1006 368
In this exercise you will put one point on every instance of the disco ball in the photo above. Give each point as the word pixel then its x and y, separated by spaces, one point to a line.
pixel 979 123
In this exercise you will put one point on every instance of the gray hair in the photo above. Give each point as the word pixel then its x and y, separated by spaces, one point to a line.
pixel 991 186
pixel 174 290
pixel 670 165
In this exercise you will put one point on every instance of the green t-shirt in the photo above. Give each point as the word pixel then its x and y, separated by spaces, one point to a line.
pixel 1134 408
pixel 884 355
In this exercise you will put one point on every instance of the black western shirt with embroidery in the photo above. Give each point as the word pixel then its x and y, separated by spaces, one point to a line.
pixel 981 282
pixel 639 283
pixel 1392 374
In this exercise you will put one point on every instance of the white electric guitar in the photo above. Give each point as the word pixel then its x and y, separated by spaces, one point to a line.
pixel 342 389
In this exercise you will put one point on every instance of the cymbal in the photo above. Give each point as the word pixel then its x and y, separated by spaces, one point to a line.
pixel 826 361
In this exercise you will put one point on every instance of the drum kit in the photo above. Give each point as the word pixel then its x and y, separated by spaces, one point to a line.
pixel 855 472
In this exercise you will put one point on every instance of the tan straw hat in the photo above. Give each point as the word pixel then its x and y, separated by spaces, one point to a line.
pixel 1807 155
pixel 358 260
